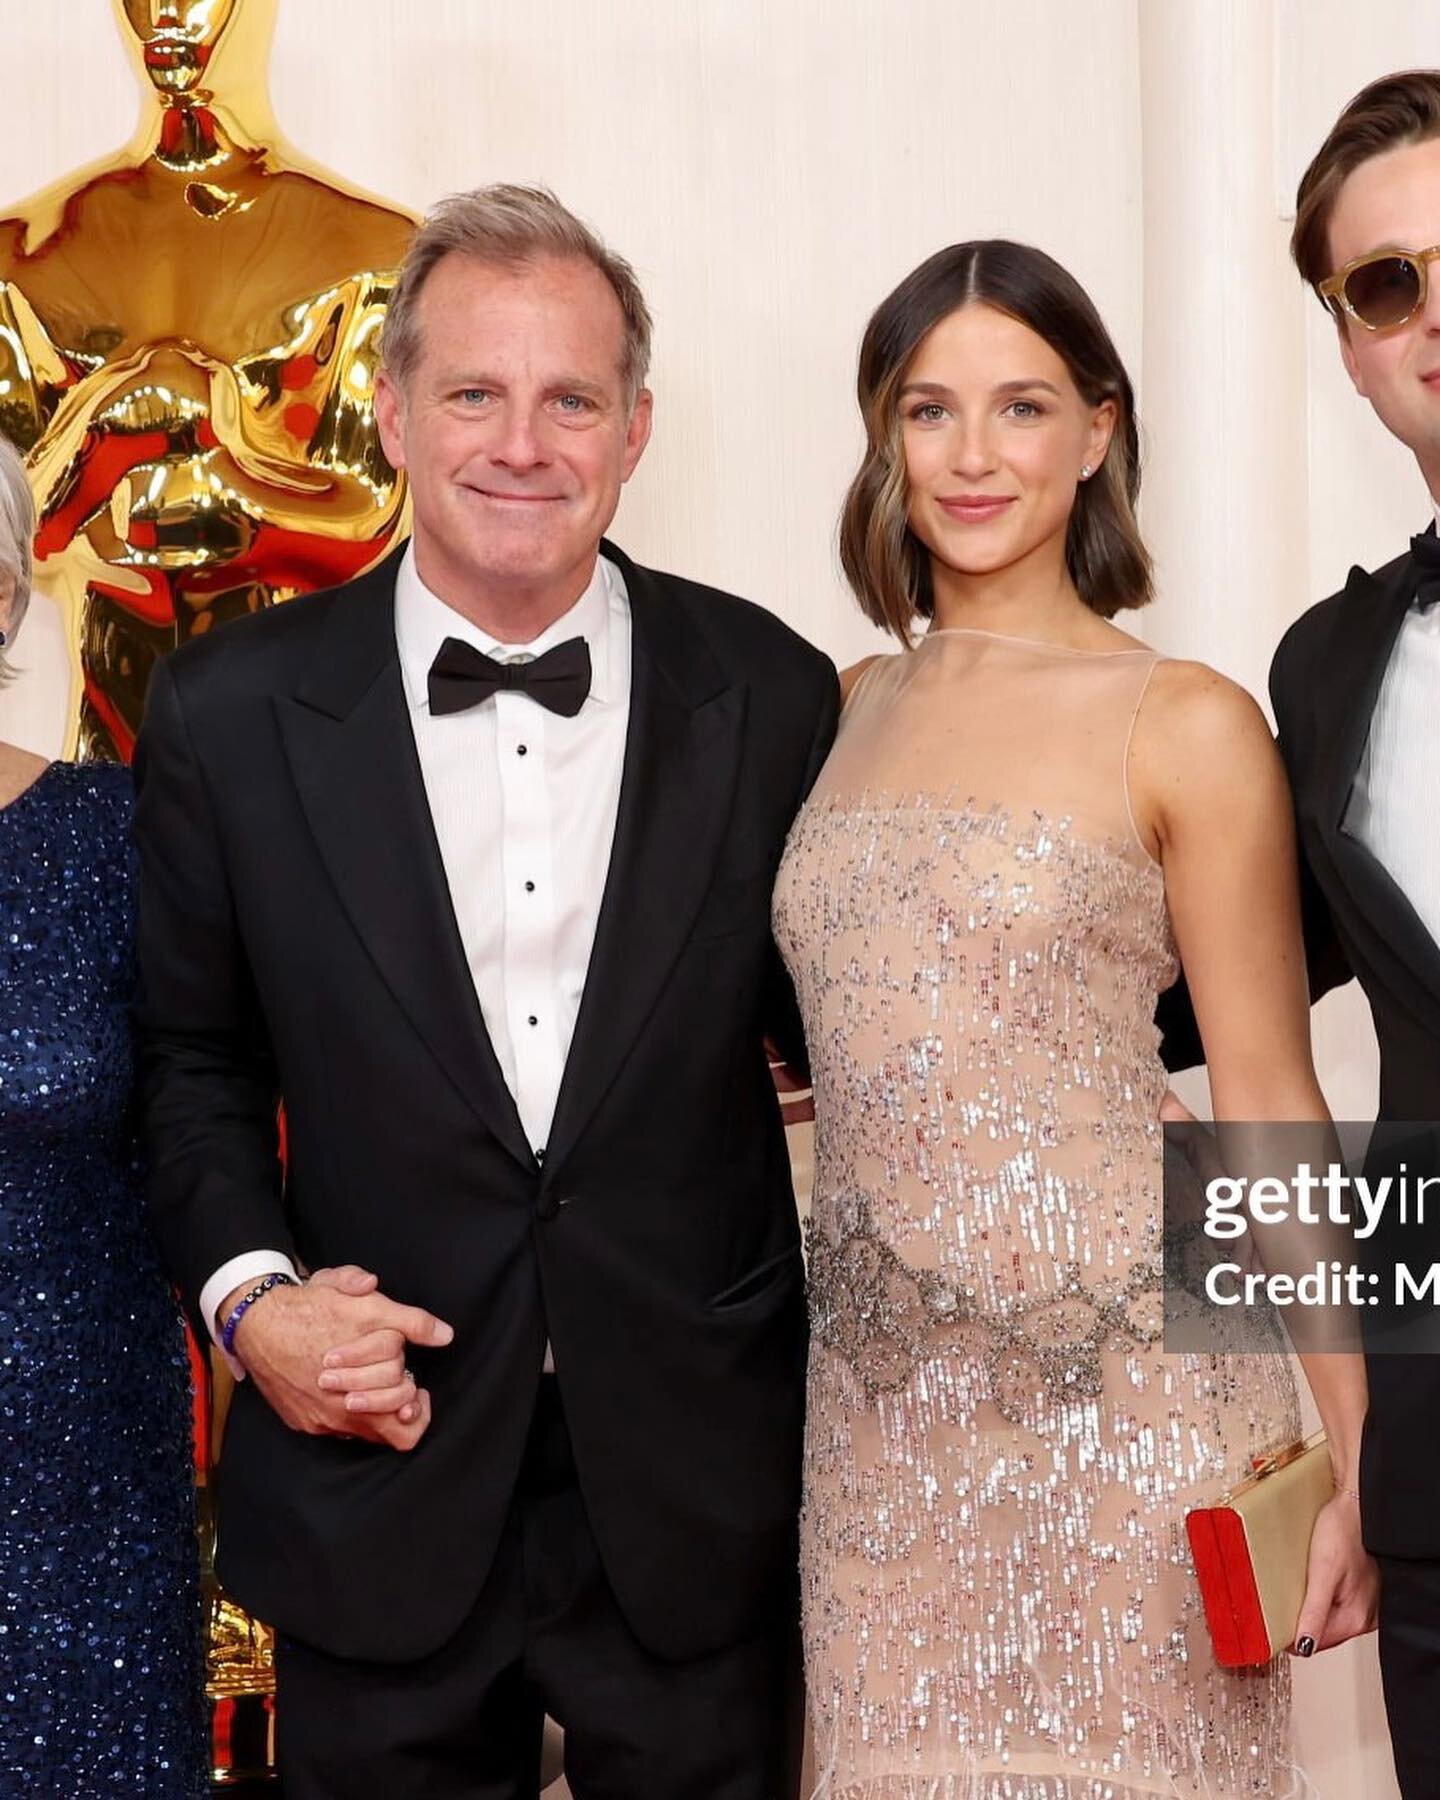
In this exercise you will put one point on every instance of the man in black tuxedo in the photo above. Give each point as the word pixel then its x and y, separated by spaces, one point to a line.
pixel 1356 690
pixel 470 860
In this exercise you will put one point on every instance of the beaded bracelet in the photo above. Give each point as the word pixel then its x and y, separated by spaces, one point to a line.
pixel 228 1329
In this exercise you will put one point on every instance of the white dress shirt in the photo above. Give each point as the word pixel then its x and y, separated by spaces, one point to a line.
pixel 1392 806
pixel 524 805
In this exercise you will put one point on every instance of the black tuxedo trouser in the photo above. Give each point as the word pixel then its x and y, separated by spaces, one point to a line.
pixel 545 1635
pixel 1410 1670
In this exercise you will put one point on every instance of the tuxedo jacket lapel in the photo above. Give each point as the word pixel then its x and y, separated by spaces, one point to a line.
pixel 1354 668
pixel 1366 630
pixel 682 756
pixel 352 756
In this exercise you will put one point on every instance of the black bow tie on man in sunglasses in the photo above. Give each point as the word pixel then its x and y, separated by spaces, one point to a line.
pixel 1426 551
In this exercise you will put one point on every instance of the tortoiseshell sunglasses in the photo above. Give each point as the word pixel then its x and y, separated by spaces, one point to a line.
pixel 1381 290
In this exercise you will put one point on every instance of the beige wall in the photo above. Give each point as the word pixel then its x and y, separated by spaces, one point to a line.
pixel 773 166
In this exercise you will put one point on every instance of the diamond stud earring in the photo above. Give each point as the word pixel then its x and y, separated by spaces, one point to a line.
pixel 1085 473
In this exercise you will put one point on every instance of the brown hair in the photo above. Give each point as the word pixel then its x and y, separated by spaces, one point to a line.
pixel 887 565
pixel 510 226
pixel 1394 111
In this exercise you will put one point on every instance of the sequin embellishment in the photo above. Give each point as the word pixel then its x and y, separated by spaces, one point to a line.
pixel 101 1679
pixel 998 1597
pixel 882 1315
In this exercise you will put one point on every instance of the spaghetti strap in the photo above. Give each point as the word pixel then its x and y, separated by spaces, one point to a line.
pixel 1140 843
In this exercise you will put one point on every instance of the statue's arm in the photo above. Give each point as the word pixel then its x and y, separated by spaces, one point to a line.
pixel 301 414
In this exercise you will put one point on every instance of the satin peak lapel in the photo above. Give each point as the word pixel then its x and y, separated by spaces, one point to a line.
pixel 1357 657
pixel 682 757
pixel 352 756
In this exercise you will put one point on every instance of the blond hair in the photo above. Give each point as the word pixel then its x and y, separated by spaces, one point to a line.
pixel 511 226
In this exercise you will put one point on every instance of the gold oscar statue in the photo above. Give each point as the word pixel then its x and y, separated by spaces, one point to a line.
pixel 189 332
pixel 188 340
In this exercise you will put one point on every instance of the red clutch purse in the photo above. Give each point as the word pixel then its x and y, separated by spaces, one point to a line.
pixel 1251 1550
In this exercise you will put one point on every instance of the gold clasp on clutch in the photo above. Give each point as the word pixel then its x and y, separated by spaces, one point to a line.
pixel 1261 1466
pixel 1277 1459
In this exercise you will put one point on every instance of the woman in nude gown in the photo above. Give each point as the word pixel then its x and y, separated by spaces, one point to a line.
pixel 1028 821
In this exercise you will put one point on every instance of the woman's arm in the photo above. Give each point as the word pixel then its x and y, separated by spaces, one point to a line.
pixel 1210 798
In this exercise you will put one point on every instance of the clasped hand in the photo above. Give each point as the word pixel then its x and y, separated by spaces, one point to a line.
pixel 329 1357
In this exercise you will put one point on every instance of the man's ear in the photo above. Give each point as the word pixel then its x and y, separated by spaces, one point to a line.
pixel 637 430
pixel 390 417
pixel 1347 355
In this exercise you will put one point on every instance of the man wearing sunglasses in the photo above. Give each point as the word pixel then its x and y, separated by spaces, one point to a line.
pixel 1356 690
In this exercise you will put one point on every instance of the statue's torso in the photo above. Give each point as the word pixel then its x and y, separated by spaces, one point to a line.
pixel 151 254
pixel 190 361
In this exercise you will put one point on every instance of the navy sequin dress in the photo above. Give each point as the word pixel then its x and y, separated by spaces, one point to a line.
pixel 100 1656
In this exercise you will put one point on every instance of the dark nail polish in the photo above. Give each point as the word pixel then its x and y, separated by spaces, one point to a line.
pixel 1306 1647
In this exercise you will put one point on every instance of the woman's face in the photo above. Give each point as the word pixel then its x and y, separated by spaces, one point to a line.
pixel 995 434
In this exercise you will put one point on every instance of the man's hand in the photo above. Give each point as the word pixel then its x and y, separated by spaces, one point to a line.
pixel 283 1341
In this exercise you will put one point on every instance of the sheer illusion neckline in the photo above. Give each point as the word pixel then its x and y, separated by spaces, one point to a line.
pixel 1007 637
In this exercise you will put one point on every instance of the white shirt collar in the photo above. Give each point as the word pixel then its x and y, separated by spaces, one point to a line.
pixel 423 621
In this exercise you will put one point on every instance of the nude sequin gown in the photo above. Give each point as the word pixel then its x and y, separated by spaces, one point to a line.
pixel 998 1595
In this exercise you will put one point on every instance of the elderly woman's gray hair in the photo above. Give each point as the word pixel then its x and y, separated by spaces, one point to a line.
pixel 17 528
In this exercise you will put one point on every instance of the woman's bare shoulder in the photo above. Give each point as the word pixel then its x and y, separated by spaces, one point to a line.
pixel 1201 741
pixel 1193 704
pixel 849 677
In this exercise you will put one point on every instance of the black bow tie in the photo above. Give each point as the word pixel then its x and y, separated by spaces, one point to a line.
pixel 462 676
pixel 1426 551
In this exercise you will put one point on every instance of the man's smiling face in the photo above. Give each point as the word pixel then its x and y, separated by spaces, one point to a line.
pixel 1392 202
pixel 515 425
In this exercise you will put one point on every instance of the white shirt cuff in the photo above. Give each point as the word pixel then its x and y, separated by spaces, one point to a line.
pixel 240 1271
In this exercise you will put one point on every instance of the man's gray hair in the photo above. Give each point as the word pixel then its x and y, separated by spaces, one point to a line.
pixel 510 226
pixel 17 528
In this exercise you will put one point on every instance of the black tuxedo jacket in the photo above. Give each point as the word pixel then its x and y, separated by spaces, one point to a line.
pixel 1324 683
pixel 297 939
